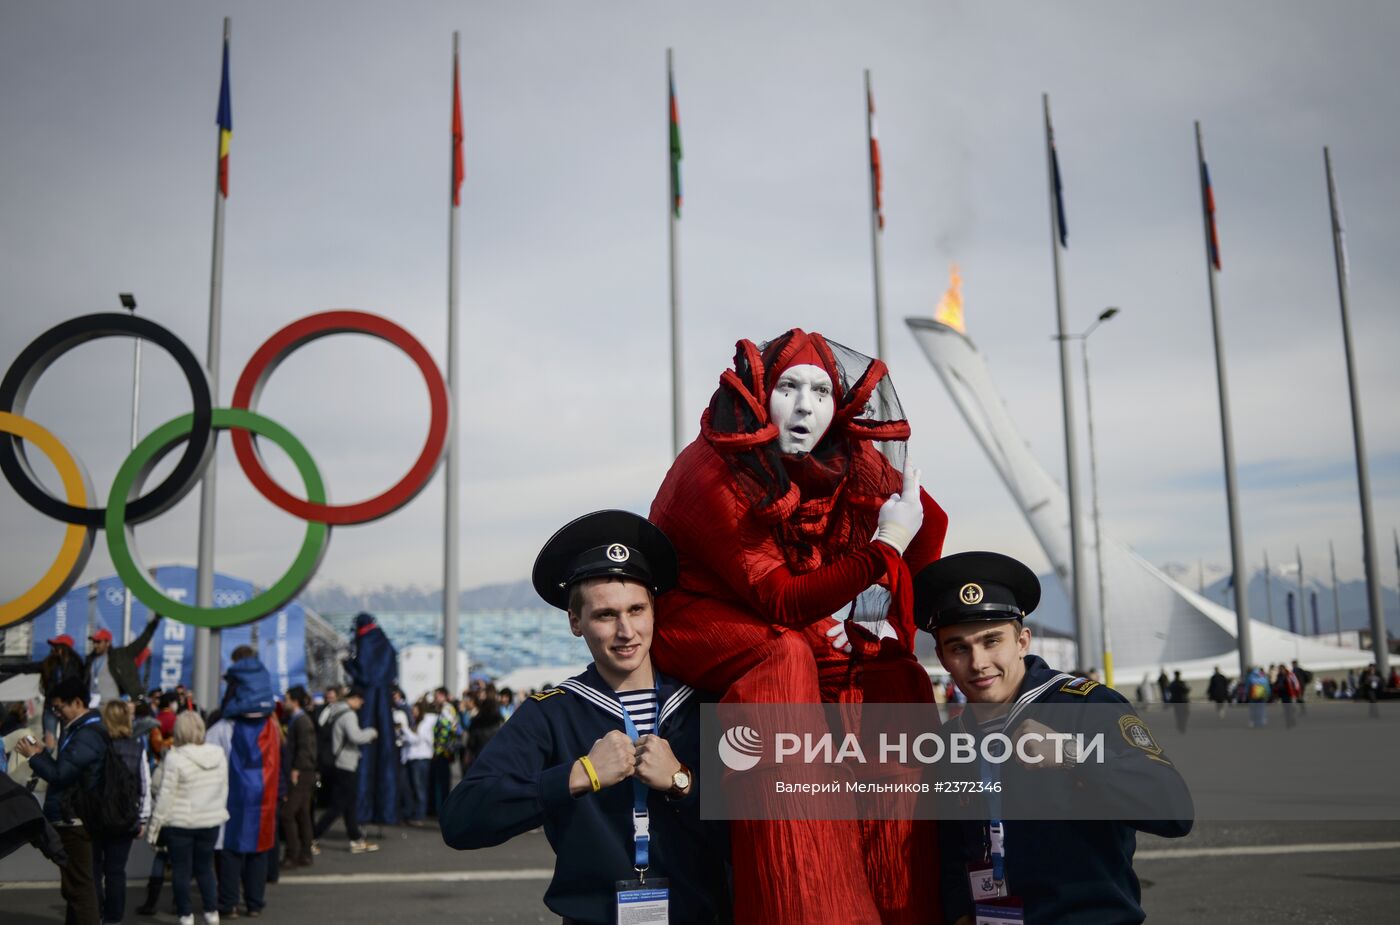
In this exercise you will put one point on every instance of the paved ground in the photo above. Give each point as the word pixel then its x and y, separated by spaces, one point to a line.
pixel 1222 874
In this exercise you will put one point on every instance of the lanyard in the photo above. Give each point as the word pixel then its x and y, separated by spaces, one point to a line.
pixel 73 730
pixel 641 821
pixel 995 844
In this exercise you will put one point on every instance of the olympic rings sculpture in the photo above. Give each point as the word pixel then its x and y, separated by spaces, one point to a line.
pixel 129 503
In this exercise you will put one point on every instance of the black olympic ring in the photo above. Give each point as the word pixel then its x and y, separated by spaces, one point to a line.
pixel 39 356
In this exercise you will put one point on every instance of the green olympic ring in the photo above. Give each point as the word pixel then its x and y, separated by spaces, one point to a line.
pixel 121 538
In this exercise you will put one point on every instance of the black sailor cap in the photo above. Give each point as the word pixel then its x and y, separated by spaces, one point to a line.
pixel 973 586
pixel 601 544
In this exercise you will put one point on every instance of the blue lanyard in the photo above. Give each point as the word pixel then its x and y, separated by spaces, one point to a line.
pixel 641 821
pixel 996 832
pixel 73 730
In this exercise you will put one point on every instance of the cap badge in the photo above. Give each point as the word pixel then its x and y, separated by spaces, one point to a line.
pixel 970 593
pixel 618 553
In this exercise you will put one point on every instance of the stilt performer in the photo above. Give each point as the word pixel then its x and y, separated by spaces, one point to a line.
pixel 796 539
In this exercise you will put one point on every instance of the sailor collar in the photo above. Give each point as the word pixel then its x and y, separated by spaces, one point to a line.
pixel 1039 680
pixel 593 690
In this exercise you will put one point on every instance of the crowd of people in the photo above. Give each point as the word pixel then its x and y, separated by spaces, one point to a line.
pixel 108 763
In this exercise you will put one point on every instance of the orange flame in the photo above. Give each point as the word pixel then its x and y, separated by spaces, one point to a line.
pixel 950 307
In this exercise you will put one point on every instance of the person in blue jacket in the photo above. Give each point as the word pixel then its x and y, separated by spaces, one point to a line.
pixel 604 760
pixel 1046 870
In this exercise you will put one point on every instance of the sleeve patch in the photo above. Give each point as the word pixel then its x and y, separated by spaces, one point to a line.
pixel 543 695
pixel 1080 686
pixel 1136 734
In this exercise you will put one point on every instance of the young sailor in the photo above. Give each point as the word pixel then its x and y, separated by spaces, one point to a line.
pixel 604 760
pixel 1039 869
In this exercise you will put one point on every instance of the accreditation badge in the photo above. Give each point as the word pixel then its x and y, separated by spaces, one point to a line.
pixel 643 902
pixel 1007 911
pixel 982 884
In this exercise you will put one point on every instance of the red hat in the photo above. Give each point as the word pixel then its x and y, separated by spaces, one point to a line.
pixel 65 640
pixel 102 635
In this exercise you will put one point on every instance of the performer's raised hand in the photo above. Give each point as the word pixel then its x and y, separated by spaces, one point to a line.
pixel 903 514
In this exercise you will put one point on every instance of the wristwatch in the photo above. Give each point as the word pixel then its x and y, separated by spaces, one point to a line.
pixel 680 783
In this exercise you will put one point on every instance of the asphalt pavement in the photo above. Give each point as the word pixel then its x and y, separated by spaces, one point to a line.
pixel 1316 873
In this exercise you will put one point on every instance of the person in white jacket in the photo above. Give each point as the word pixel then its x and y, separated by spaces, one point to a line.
pixel 191 804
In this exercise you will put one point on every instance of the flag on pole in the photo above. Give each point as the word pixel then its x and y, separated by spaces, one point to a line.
pixel 225 126
pixel 1208 196
pixel 1059 188
pixel 877 177
pixel 459 165
pixel 675 149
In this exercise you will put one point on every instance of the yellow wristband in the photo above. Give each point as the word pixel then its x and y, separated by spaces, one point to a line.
pixel 592 774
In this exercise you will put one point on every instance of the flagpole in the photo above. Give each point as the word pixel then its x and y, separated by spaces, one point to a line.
pixel 672 231
pixel 1336 598
pixel 876 221
pixel 207 656
pixel 1078 592
pixel 451 633
pixel 1227 437
pixel 1301 618
pixel 1363 476
pixel 1268 589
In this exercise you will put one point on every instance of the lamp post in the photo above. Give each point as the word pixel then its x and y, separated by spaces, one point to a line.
pixel 1104 635
pixel 129 303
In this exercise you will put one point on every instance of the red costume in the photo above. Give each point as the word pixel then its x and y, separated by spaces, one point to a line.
pixel 770 547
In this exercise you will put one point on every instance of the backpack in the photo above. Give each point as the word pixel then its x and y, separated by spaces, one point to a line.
pixel 325 743
pixel 113 807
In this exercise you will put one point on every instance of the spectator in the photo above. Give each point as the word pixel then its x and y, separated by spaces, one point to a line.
pixel 191 799
pixel 444 749
pixel 295 811
pixel 507 703
pixel 1180 693
pixel 1287 690
pixel 417 754
pixel 345 742
pixel 485 724
pixel 1147 690
pixel 1369 689
pixel 1256 692
pixel 252 741
pixel 62 662
pixel 114 671
pixel 81 753
pixel 1163 683
pixel 110 851
pixel 1219 692
pixel 167 713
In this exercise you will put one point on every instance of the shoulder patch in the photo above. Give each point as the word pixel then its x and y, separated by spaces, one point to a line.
pixel 544 695
pixel 1136 734
pixel 1080 686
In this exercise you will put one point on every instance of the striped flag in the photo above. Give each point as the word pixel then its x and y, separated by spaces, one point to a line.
pixel 1208 197
pixel 877 177
pixel 254 761
pixel 225 125
pixel 1059 190
pixel 459 165
pixel 675 149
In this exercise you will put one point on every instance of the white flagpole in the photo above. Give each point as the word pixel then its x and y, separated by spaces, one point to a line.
pixel 1363 476
pixel 876 222
pixel 672 234
pixel 207 656
pixel 1238 564
pixel 450 577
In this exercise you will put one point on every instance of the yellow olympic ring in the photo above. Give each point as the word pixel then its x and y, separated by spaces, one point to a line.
pixel 77 539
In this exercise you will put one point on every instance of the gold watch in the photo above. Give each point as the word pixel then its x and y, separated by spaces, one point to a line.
pixel 680 783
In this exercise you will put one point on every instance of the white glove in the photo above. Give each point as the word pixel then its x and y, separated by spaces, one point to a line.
pixel 837 635
pixel 871 613
pixel 903 514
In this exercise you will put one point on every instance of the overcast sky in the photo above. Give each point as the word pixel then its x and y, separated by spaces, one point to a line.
pixel 339 170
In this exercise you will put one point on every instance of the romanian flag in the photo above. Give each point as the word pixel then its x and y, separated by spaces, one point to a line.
pixel 1059 190
pixel 877 177
pixel 225 126
pixel 255 764
pixel 459 165
pixel 1208 199
pixel 675 148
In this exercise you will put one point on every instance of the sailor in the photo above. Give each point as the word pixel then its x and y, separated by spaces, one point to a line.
pixel 603 761
pixel 1021 858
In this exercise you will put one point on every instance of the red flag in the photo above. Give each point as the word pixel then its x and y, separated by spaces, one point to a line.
pixel 459 166
pixel 876 177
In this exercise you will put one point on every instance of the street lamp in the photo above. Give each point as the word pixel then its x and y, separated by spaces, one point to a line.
pixel 129 303
pixel 1104 635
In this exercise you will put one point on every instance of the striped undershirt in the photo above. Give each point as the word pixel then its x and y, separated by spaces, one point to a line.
pixel 641 706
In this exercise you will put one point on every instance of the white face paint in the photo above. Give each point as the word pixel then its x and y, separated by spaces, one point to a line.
pixel 802 407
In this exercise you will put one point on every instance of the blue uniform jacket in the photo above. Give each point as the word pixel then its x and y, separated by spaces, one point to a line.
pixel 521 781
pixel 82 751
pixel 1069 871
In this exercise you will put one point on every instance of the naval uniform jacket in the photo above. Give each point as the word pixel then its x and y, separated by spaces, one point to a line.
pixel 521 781
pixel 1070 871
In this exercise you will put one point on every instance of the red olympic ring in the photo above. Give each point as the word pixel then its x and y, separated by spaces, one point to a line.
pixel 281 345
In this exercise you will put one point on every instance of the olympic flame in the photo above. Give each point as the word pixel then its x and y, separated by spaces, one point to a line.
pixel 950 307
